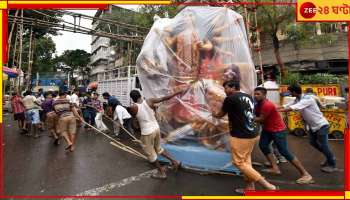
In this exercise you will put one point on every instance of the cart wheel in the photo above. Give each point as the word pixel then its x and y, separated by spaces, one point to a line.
pixel 337 135
pixel 299 132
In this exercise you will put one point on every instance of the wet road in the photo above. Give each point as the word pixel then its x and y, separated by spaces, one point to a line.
pixel 37 167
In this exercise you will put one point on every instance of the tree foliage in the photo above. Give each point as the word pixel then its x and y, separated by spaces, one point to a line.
pixel 319 78
pixel 43 60
pixel 304 34
pixel 44 48
pixel 271 20
pixel 76 59
pixel 142 21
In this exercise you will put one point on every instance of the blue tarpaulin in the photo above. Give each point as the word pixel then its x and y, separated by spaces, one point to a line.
pixel 195 156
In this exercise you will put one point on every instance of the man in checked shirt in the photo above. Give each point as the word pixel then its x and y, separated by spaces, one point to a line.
pixel 67 115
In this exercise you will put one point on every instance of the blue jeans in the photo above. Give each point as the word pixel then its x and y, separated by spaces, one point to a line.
pixel 89 117
pixel 280 140
pixel 319 140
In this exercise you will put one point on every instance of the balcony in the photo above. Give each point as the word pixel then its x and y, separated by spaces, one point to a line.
pixel 100 42
pixel 101 54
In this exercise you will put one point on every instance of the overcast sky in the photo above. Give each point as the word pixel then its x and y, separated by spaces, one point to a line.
pixel 72 41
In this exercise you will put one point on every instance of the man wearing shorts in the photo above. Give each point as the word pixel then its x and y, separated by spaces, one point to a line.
pixel 31 105
pixel 18 110
pixel 67 115
pixel 143 110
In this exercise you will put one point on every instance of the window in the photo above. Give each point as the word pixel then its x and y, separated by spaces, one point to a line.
pixel 106 75
pixel 115 73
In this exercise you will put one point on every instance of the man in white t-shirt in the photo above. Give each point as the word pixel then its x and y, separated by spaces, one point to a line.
pixel 319 126
pixel 68 97
pixel 124 118
pixel 32 105
pixel 74 99
pixel 143 110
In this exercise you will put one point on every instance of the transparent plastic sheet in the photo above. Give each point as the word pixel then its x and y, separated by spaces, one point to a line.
pixel 202 47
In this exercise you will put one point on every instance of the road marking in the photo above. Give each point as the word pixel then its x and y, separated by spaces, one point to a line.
pixel 108 187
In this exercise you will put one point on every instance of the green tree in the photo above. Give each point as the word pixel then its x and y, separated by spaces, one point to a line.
pixel 37 27
pixel 133 23
pixel 305 34
pixel 149 11
pixel 76 59
pixel 44 48
pixel 271 20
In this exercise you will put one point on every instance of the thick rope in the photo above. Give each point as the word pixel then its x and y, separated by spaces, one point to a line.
pixel 130 134
pixel 118 144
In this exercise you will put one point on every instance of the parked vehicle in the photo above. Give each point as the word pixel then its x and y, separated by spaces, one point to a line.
pixel 121 86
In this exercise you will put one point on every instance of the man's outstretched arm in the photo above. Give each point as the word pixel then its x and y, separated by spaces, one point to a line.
pixel 152 101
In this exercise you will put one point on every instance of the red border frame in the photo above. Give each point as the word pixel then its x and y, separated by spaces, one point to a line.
pixel 347 132
pixel 104 6
pixel 58 6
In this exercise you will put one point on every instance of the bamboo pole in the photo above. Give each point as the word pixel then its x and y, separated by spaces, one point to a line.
pixel 10 35
pixel 117 143
pixel 247 22
pixel 15 49
pixel 259 46
pixel 129 59
pixel 20 49
pixel 131 135
pixel 29 76
pixel 32 56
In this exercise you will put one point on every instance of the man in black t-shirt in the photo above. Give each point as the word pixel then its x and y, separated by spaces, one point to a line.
pixel 240 110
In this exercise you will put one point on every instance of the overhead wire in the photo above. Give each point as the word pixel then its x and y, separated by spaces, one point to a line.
pixel 75 28
pixel 113 22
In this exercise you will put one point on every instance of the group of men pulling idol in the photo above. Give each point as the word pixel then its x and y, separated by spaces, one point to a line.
pixel 63 112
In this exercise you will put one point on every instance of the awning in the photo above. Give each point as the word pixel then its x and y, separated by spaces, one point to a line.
pixel 12 73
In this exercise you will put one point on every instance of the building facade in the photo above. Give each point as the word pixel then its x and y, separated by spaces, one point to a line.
pixel 106 61
pixel 310 57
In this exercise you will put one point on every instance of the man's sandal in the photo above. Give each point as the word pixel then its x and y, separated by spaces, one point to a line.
pixel 159 176
pixel 305 180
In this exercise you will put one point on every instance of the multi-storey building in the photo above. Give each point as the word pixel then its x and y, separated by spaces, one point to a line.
pixel 105 60
pixel 100 50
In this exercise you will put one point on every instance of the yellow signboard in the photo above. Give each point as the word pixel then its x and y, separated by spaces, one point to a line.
pixel 323 10
pixel 318 89
pixel 336 119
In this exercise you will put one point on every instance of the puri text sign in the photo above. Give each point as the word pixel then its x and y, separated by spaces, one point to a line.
pixel 319 90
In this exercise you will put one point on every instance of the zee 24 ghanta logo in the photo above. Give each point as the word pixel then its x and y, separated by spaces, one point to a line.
pixel 308 10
